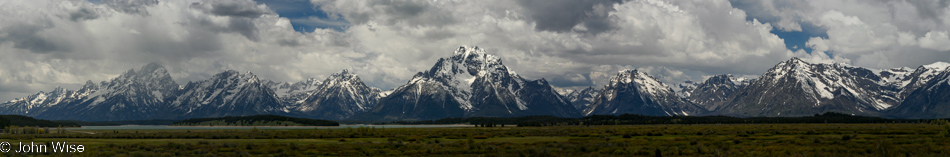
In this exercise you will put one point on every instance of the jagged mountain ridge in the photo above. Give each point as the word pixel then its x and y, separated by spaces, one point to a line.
pixel 470 83
pixel 339 96
pixel 229 93
pixel 636 92
pixel 294 93
pixel 715 91
pixel 151 93
pixel 37 103
pixel 685 89
pixel 910 81
pixel 926 95
pixel 130 96
pixel 581 99
pixel 147 93
pixel 799 88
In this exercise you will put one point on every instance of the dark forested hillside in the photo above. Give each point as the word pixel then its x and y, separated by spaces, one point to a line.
pixel 4 122
pixel 18 120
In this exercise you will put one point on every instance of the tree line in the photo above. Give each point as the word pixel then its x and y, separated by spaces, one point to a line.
pixel 256 120
pixel 632 119
pixel 18 120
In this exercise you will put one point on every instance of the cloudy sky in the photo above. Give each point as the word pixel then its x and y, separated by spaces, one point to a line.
pixel 572 43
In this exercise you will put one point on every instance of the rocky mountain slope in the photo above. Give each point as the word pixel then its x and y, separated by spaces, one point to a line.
pixel 636 92
pixel 799 88
pixel 130 96
pixel 470 83
pixel 339 96
pixel 715 91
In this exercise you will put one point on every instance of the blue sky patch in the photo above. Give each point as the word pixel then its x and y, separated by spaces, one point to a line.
pixel 304 16
pixel 795 40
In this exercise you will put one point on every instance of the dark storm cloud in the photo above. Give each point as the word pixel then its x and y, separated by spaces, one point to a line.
pixel 564 15
pixel 930 9
pixel 396 9
pixel 199 43
pixel 242 14
pixel 403 8
pixel 130 6
pixel 158 45
pixel 414 13
pixel 245 27
pixel 235 8
pixel 288 42
pixel 83 14
pixel 28 37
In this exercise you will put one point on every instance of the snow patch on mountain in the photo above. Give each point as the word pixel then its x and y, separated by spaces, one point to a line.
pixel 636 92
pixel 937 65
pixel 472 83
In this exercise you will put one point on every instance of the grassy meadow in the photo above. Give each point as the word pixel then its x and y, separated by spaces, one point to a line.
pixel 617 140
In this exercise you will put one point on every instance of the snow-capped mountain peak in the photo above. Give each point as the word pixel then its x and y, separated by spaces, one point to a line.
pixel 798 88
pixel 36 103
pixel 229 93
pixel 474 60
pixel 340 96
pixel 908 80
pixel 646 82
pixel 458 73
pixel 474 54
pixel 636 92
pixel 937 65
pixel 472 83
pixel 344 77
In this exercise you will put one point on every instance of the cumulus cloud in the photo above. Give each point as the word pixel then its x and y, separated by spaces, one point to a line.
pixel 29 37
pixel 131 6
pixel 386 42
pixel 935 41
pixel 234 8
pixel 45 44
pixel 572 43
pixel 877 34
pixel 570 15
pixel 83 13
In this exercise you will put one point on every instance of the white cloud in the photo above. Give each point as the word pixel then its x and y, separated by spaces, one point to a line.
pixel 386 42
pixel 876 34
pixel 55 43
pixel 820 57
pixel 709 36
pixel 936 40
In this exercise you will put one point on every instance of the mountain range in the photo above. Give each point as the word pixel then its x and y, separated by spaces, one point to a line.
pixel 470 83
pixel 473 83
